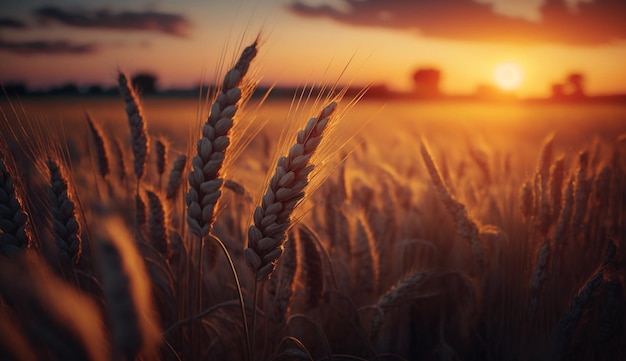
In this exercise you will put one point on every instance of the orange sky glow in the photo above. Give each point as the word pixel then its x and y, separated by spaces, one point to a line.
pixel 312 41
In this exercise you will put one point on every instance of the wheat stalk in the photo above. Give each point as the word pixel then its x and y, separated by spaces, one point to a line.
pixel 157 225
pixel 283 288
pixel 563 225
pixel 312 266
pixel 581 194
pixel 465 226
pixel 161 156
pixel 102 159
pixel 126 291
pixel 528 201
pixel 482 161
pixel 540 275
pixel 15 344
pixel 174 179
pixel 138 132
pixel 235 187
pixel 556 186
pixel 545 160
pixel 365 258
pixel 285 191
pixel 121 166
pixel 405 290
pixel 65 224
pixel 205 180
pixel 140 211
pixel 14 237
pixel 61 322
pixel 570 321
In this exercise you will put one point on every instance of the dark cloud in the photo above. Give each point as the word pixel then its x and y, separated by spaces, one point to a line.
pixel 592 23
pixel 38 47
pixel 171 24
pixel 12 23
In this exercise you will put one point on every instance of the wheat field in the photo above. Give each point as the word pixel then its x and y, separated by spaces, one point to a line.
pixel 331 233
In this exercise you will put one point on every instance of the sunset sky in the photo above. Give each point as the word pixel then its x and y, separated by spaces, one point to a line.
pixel 45 42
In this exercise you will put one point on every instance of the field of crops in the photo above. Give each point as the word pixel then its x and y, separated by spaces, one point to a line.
pixel 170 228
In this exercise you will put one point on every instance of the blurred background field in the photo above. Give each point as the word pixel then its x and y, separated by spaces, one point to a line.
pixel 512 126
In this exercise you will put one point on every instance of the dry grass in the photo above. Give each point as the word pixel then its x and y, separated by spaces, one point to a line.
pixel 402 252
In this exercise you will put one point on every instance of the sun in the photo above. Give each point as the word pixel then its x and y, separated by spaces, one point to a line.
pixel 508 76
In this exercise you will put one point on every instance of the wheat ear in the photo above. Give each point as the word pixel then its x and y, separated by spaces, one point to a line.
pixel 581 194
pixel 14 237
pixel 312 266
pixel 157 225
pixel 138 132
pixel 161 157
pixel 126 291
pixel 205 180
pixel 365 258
pixel 14 344
pixel 285 191
pixel 556 186
pixel 465 226
pixel 562 226
pixel 405 290
pixel 545 160
pixel 140 211
pixel 65 224
pixel 540 275
pixel 602 188
pixel 581 302
pixel 527 201
pixel 284 286
pixel 121 166
pixel 102 159
pixel 61 322
pixel 174 179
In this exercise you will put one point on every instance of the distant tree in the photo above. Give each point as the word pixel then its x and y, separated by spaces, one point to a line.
pixel 113 90
pixel 95 89
pixel 15 88
pixel 378 91
pixel 572 88
pixel 576 84
pixel 65 89
pixel 557 91
pixel 426 81
pixel 145 83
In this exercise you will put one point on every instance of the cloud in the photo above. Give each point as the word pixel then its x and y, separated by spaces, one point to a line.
pixel 171 24
pixel 38 47
pixel 12 23
pixel 593 23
